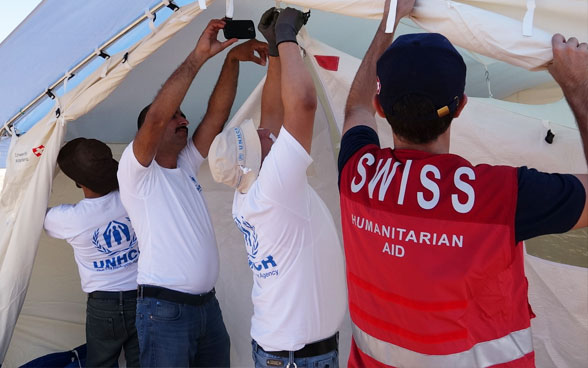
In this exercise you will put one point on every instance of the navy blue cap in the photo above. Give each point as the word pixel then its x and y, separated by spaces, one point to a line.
pixel 425 64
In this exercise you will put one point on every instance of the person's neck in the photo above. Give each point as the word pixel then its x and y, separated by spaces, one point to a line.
pixel 438 146
pixel 168 160
pixel 89 193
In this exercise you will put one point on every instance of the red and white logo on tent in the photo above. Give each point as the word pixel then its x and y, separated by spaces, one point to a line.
pixel 38 151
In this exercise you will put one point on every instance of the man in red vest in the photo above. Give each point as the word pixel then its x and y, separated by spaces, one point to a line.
pixel 433 244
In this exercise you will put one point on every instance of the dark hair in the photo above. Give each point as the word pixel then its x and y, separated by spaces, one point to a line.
pixel 89 162
pixel 142 115
pixel 406 124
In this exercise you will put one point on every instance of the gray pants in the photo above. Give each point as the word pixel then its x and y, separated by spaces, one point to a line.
pixel 110 326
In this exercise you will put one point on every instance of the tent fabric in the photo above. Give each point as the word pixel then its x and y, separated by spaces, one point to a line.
pixel 31 164
pixel 480 26
pixel 484 125
pixel 476 29
pixel 54 20
pixel 477 133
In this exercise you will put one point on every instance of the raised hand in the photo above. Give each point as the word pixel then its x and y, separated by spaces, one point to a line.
pixel 569 67
pixel 266 26
pixel 208 45
pixel 288 24
pixel 247 52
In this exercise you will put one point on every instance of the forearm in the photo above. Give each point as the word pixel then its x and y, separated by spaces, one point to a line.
pixel 219 106
pixel 579 104
pixel 298 94
pixel 223 96
pixel 359 107
pixel 298 91
pixel 272 110
pixel 164 106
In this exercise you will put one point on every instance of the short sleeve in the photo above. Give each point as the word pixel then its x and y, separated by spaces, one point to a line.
pixel 190 158
pixel 282 177
pixel 132 176
pixel 547 203
pixel 57 220
pixel 355 139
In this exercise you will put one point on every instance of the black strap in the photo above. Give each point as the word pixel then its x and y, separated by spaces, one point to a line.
pixel 310 350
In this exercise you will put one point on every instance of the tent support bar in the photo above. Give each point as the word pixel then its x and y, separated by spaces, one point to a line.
pixel 5 128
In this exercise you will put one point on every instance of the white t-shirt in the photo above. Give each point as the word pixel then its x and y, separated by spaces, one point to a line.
pixel 178 246
pixel 103 240
pixel 294 251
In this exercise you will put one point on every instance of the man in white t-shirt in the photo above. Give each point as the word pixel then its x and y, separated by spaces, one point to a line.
pixel 292 243
pixel 105 249
pixel 179 320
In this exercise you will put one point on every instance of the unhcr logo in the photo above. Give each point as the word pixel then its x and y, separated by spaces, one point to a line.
pixel 117 242
pixel 252 245
pixel 196 184
pixel 240 145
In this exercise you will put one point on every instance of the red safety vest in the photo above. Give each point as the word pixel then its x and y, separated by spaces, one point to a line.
pixel 433 273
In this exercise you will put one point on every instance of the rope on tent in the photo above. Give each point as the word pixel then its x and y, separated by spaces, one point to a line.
pixel 50 94
pixel 550 135
pixel 170 4
pixel 151 18
pixel 230 9
pixel 486 73
pixel 528 19
pixel 68 75
pixel 391 17
pixel 125 61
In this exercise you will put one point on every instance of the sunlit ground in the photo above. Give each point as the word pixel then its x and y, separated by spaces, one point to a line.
pixel 570 248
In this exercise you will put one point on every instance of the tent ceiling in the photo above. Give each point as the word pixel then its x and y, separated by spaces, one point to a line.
pixel 61 32
pixel 54 37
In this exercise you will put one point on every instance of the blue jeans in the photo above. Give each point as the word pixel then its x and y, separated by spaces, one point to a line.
pixel 264 359
pixel 110 326
pixel 182 335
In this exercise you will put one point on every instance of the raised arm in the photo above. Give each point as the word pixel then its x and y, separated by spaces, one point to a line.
pixel 222 98
pixel 298 92
pixel 272 110
pixel 174 90
pixel 569 68
pixel 359 109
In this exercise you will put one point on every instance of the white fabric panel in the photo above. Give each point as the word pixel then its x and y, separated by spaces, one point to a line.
pixel 565 16
pixel 25 194
pixel 559 296
pixel 482 31
pixel 4 144
pixel 51 39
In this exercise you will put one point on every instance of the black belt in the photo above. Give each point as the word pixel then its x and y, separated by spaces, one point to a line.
pixel 309 350
pixel 149 291
pixel 115 295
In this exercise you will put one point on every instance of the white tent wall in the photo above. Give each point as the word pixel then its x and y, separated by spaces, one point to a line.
pixel 31 165
pixel 55 303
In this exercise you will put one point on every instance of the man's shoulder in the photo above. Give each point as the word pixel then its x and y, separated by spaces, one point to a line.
pixel 355 140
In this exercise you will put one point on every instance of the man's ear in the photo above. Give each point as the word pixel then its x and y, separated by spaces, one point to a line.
pixel 378 107
pixel 461 105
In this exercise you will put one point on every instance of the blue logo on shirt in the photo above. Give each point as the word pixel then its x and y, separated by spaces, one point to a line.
pixel 252 246
pixel 198 187
pixel 115 234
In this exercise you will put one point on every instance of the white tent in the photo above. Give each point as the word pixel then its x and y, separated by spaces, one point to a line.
pixel 59 34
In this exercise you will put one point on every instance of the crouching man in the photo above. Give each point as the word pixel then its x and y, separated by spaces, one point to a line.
pixel 105 249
